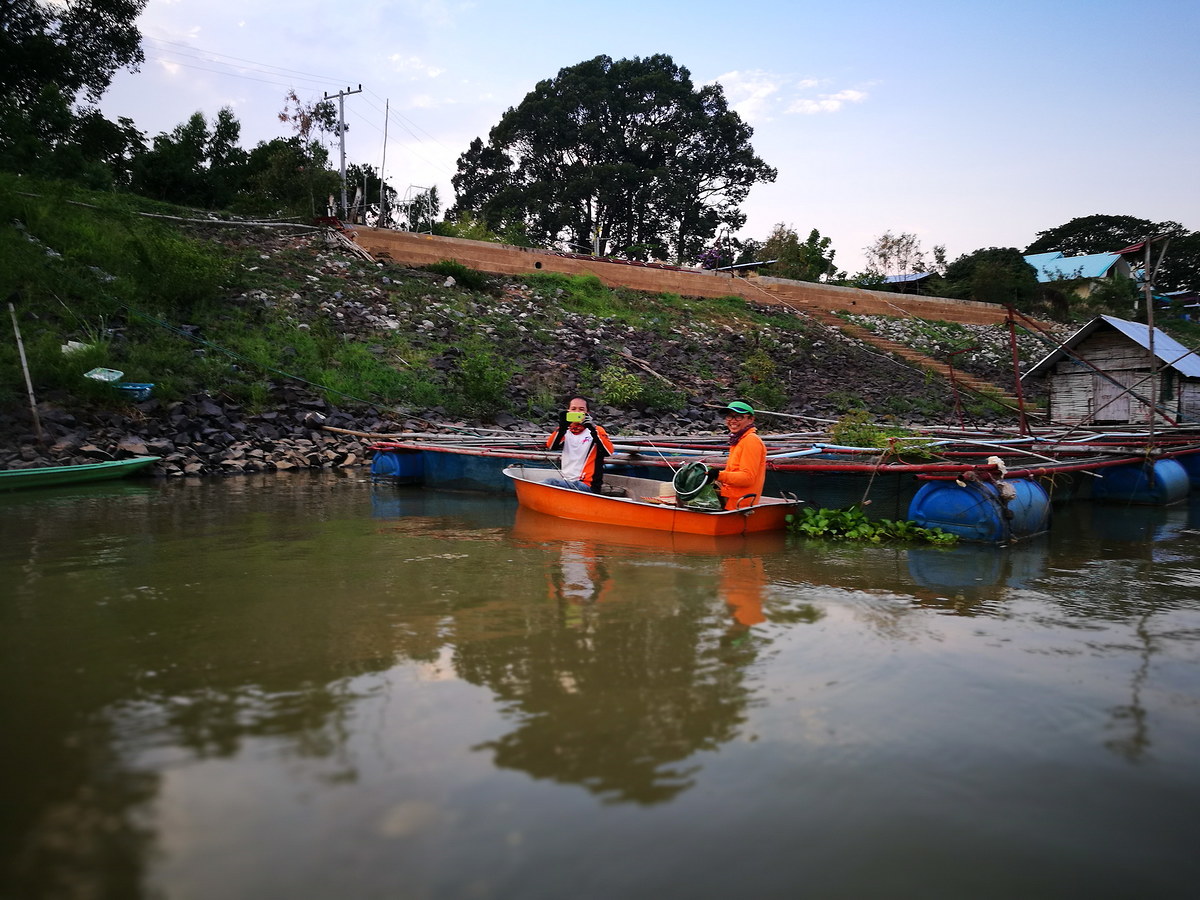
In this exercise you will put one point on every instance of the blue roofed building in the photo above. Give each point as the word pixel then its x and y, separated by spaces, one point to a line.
pixel 1079 274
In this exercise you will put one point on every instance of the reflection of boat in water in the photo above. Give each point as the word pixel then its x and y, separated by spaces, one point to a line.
pixel 531 525
pixel 643 503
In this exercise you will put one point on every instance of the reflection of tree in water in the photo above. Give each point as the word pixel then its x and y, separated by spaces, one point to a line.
pixel 609 700
pixel 82 841
pixel 1117 573
pixel 142 655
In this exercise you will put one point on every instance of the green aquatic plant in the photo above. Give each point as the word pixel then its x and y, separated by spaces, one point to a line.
pixel 852 524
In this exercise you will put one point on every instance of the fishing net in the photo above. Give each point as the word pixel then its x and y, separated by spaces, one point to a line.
pixel 693 489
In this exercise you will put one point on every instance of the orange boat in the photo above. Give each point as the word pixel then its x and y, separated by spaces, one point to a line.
pixel 643 503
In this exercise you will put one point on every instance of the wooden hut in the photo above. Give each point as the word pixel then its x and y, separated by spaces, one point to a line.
pixel 1103 374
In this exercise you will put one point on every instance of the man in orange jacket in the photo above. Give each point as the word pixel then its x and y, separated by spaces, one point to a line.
pixel 740 483
pixel 584 445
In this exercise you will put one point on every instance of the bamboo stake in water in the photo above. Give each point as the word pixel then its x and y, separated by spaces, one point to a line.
pixel 37 422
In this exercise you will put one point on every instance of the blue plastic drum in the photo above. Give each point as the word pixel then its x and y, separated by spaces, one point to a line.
pixel 403 465
pixel 1191 465
pixel 975 512
pixel 1159 484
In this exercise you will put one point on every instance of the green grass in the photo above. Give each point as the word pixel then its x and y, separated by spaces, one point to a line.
pixel 124 285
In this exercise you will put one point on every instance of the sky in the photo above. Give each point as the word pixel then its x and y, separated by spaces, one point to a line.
pixel 969 124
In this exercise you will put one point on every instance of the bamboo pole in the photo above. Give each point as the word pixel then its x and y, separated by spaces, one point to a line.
pixel 37 422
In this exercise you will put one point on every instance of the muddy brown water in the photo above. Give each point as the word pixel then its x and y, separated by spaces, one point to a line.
pixel 307 685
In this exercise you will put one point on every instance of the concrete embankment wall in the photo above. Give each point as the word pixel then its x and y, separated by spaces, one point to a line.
pixel 411 249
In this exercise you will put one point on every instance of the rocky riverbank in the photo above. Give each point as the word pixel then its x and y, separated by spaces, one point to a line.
pixel 197 436
pixel 204 436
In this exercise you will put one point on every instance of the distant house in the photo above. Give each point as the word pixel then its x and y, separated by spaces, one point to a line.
pixel 1081 274
pixel 911 283
pixel 1104 392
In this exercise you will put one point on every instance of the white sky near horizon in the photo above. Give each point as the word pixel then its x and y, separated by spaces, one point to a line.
pixel 968 124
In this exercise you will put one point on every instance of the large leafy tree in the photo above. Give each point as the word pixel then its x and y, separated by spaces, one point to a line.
pixel 77 46
pixel 1099 234
pixel 53 56
pixel 195 163
pixel 625 157
pixel 994 275
pixel 809 260
pixel 1105 234
pixel 901 254
pixel 286 176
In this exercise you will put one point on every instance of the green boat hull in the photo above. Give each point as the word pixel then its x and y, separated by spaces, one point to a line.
pixel 54 476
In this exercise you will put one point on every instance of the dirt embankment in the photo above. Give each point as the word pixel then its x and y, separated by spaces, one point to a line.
pixel 811 369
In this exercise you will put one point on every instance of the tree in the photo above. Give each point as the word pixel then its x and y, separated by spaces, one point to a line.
pixel 51 56
pixel 1107 234
pixel 77 46
pixel 423 210
pixel 1181 266
pixel 284 177
pixel 195 164
pixel 994 275
pixel 365 177
pixel 1099 234
pixel 311 121
pixel 624 157
pixel 173 168
pixel 901 254
pixel 113 146
pixel 811 260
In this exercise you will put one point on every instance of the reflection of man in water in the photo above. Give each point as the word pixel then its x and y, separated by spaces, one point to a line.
pixel 579 581
pixel 743 580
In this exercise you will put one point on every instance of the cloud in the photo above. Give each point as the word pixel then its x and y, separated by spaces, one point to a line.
pixel 826 103
pixel 414 65
pixel 755 95
pixel 750 93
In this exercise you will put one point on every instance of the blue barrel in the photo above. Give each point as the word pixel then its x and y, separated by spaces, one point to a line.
pixel 1191 465
pixel 405 466
pixel 1157 484
pixel 975 511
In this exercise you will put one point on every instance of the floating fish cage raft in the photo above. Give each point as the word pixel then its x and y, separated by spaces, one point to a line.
pixel 989 486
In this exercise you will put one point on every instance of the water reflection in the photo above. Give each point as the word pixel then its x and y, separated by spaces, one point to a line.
pixel 297 639
pixel 635 679
pixel 972 578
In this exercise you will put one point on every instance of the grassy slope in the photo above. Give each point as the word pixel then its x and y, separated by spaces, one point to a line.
pixel 227 310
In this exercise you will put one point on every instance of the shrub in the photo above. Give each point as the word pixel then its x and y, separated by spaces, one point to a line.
pixel 480 381
pixel 657 394
pixel 618 387
pixel 759 384
pixel 469 278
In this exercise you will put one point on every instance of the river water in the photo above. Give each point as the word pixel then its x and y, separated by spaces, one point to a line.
pixel 309 686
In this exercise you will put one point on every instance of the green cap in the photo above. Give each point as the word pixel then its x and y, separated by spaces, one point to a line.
pixel 738 406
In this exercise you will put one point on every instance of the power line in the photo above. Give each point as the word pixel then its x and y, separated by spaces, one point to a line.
pixel 175 62
pixel 251 62
pixel 175 52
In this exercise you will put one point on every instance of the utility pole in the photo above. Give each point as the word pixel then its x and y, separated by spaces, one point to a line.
pixel 342 95
pixel 383 165
pixel 1149 276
